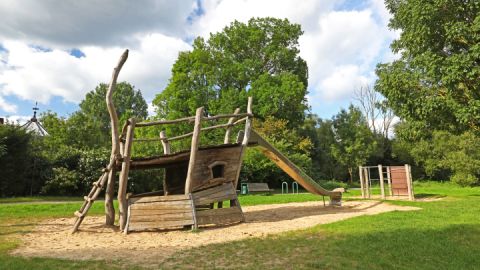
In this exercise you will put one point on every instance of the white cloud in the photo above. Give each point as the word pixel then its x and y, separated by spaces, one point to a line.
pixel 73 23
pixel 39 75
pixel 341 83
pixel 5 106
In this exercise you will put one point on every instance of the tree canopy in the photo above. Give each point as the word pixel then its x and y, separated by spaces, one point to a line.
pixel 259 59
pixel 439 65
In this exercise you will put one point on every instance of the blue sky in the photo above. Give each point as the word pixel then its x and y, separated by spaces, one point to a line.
pixel 55 52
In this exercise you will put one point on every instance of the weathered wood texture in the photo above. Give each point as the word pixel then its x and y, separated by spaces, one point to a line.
pixel 159 212
pixel 399 181
pixel 218 216
pixel 202 173
pixel 229 128
pixel 189 183
pixel 123 181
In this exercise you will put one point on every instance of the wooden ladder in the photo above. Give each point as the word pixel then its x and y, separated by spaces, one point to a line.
pixel 90 198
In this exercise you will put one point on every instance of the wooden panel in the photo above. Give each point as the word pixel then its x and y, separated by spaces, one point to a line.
pixel 215 194
pixel 219 216
pixel 206 157
pixel 398 181
pixel 137 200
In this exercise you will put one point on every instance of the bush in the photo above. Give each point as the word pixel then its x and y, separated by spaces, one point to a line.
pixel 63 182
pixel 332 184
pixel 464 179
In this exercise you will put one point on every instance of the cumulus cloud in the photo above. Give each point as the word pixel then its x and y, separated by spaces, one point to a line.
pixel 33 73
pixel 72 23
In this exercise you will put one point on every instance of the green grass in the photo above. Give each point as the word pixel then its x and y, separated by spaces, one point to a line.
pixel 445 234
pixel 39 199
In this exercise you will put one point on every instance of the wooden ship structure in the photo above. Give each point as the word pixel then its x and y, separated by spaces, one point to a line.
pixel 199 186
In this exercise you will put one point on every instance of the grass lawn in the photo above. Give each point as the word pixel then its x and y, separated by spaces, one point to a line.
pixel 445 234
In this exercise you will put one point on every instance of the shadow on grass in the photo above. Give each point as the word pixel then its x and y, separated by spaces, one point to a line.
pixel 428 195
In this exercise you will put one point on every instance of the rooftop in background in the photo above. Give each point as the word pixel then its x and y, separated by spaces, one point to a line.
pixel 33 125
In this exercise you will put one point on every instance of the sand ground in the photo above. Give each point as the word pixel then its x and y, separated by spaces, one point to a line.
pixel 52 237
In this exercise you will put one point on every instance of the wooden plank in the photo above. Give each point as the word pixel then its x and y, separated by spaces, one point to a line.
pixel 214 198
pixel 163 211
pixel 154 218
pixel 135 226
pixel 161 205
pixel 169 198
pixel 222 188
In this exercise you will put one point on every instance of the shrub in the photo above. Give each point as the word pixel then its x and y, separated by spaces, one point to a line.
pixel 464 179
pixel 63 182
pixel 332 184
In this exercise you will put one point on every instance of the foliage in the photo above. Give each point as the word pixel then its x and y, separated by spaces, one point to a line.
pixel 63 182
pixel 458 154
pixel 257 168
pixel 259 59
pixel 439 47
pixel 332 184
pixel 16 161
pixel 354 141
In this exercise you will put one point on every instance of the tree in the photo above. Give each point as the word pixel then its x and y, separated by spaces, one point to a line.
pixel 354 141
pixel 259 59
pixel 90 126
pixel 435 81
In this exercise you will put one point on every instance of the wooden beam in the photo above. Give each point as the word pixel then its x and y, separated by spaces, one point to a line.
pixel 362 186
pixel 191 119
pixel 122 185
pixel 193 150
pixel 229 128
pixel 166 151
pixel 246 137
pixel 115 153
pixel 408 173
pixel 109 193
pixel 382 187
pixel 389 181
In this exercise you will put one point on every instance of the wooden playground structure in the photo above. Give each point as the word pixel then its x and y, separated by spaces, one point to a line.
pixel 398 181
pixel 199 186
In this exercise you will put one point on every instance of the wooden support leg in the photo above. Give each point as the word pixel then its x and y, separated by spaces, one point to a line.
pixel 122 186
pixel 109 191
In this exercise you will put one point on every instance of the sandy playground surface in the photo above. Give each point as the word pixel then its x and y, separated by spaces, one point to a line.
pixel 52 238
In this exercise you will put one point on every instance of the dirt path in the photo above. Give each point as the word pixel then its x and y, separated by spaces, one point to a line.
pixel 52 238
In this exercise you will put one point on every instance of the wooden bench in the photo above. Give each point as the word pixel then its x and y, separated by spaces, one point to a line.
pixel 258 187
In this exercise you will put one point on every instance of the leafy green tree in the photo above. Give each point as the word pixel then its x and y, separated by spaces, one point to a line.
pixel 297 148
pixel 354 141
pixel 92 122
pixel 259 59
pixel 434 83
pixel 457 154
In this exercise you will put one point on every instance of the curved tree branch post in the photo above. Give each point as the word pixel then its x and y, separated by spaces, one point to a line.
pixel 115 154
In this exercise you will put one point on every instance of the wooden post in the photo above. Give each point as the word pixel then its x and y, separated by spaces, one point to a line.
pixel 367 182
pixel 193 150
pixel 229 129
pixel 382 187
pixel 122 185
pixel 244 139
pixel 115 153
pixel 389 180
pixel 360 174
pixel 166 151
pixel 409 182
pixel 109 192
